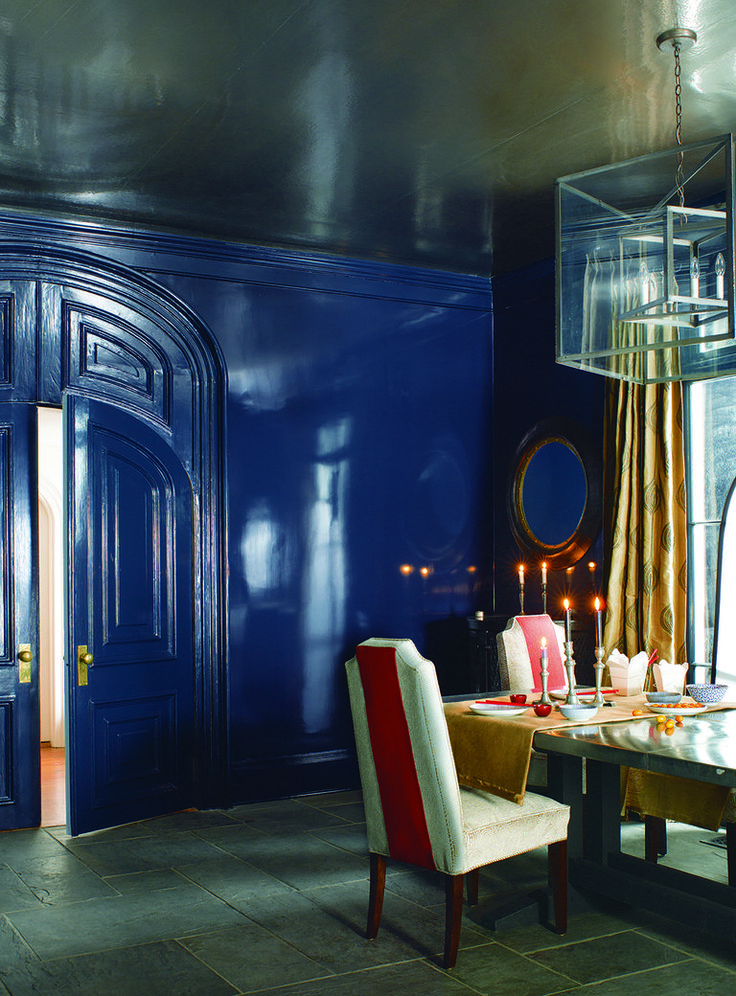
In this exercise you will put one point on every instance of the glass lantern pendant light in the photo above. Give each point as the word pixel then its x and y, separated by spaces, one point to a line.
pixel 645 260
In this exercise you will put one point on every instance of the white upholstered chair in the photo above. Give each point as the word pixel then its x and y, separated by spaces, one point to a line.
pixel 519 653
pixel 519 647
pixel 415 809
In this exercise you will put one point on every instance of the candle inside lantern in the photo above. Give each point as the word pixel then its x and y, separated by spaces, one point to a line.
pixel 568 620
pixel 599 621
pixel 544 572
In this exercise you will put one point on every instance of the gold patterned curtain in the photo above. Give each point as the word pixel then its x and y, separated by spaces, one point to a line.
pixel 645 539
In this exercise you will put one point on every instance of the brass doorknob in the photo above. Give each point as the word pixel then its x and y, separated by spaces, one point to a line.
pixel 26 656
pixel 86 658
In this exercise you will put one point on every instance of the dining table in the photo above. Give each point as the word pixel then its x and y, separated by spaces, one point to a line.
pixel 689 769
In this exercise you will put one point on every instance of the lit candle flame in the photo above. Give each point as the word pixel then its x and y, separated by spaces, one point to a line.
pixel 568 622
pixel 598 622
pixel 543 642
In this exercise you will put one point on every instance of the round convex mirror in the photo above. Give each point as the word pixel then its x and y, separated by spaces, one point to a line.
pixel 555 492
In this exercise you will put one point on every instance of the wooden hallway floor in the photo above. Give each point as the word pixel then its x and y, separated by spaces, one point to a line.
pixel 53 794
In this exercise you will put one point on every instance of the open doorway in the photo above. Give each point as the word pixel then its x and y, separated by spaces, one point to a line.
pixel 51 615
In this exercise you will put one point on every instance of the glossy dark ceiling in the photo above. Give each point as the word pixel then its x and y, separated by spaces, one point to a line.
pixel 426 131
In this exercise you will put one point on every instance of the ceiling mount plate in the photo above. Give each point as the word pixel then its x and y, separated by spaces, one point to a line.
pixel 684 37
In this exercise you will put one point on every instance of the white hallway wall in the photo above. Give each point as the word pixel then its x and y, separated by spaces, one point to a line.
pixel 51 596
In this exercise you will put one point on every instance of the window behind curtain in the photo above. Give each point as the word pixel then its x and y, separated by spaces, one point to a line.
pixel 710 441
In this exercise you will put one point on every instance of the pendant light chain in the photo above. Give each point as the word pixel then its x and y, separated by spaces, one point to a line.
pixel 679 174
pixel 677 37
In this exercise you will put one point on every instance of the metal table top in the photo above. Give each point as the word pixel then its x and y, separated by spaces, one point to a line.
pixel 703 748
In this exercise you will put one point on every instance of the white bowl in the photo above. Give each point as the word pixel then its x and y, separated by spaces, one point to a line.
pixel 578 712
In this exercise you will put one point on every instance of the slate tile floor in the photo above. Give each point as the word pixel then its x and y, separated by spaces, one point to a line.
pixel 272 898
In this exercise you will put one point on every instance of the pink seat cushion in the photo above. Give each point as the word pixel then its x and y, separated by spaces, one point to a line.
pixel 534 628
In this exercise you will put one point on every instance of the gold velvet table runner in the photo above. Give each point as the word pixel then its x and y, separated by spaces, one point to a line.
pixel 493 753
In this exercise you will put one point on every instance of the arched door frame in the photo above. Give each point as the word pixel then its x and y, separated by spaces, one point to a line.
pixel 183 330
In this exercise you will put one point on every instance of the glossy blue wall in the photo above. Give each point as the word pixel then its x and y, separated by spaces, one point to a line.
pixel 358 442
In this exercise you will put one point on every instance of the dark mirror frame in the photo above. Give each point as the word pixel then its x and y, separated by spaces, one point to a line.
pixel 573 435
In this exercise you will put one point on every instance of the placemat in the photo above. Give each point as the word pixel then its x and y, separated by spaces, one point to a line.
pixel 493 753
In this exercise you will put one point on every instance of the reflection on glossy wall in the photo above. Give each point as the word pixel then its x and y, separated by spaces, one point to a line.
pixel 358 443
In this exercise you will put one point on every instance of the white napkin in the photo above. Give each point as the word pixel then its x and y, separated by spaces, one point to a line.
pixel 638 663
pixel 627 675
pixel 616 657
pixel 670 677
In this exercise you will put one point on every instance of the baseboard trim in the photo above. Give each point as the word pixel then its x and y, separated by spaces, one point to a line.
pixel 261 779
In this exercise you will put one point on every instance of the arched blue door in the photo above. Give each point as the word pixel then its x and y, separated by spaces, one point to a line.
pixel 141 379
pixel 130 662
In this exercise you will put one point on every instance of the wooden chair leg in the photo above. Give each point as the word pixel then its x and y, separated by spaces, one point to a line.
pixel 731 852
pixel 557 858
pixel 655 838
pixel 375 903
pixel 453 917
pixel 471 880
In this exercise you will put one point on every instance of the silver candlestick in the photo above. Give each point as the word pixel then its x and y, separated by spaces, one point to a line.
pixel 599 665
pixel 572 698
pixel 544 597
pixel 544 674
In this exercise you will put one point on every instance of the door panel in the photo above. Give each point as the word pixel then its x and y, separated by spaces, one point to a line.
pixel 115 353
pixel 131 709
pixel 17 340
pixel 20 785
pixel 135 613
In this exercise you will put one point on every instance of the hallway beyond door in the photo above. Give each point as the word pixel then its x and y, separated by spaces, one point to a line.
pixel 53 787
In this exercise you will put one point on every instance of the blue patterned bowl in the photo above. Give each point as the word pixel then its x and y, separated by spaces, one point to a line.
pixel 706 694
